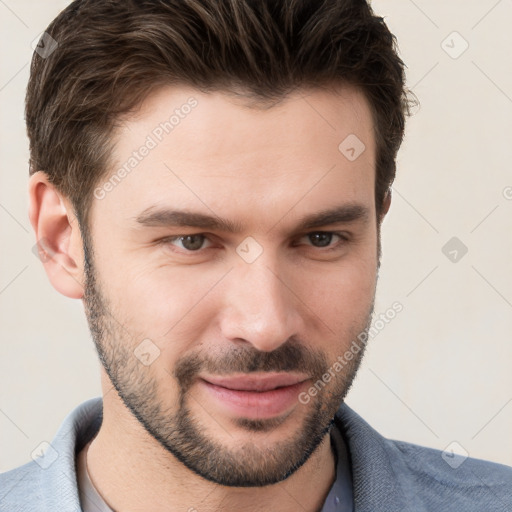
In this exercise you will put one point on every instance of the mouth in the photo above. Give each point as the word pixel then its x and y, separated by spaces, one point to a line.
pixel 257 383
pixel 254 396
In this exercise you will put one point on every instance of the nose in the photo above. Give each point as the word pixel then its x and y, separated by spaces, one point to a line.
pixel 260 307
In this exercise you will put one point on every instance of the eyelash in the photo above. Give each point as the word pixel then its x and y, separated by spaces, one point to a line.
pixel 344 238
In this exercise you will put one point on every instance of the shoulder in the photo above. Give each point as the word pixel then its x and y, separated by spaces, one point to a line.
pixel 18 484
pixel 49 481
pixel 442 476
pixel 399 476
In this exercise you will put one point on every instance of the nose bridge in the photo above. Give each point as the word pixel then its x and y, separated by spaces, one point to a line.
pixel 259 308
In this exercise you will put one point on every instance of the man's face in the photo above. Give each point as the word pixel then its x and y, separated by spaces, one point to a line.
pixel 269 287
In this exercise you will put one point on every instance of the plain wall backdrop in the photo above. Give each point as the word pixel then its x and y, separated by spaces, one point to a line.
pixel 438 374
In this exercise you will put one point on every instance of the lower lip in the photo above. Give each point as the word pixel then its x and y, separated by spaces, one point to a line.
pixel 253 404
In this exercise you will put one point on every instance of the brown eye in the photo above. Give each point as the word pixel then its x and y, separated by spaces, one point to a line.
pixel 328 240
pixel 320 239
pixel 189 243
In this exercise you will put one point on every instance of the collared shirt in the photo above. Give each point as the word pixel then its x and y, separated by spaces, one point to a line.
pixel 387 475
pixel 339 498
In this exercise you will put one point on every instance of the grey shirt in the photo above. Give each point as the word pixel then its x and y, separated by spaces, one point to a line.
pixel 387 475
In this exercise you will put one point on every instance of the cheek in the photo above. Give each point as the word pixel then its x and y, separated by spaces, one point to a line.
pixel 338 299
pixel 168 305
pixel 349 282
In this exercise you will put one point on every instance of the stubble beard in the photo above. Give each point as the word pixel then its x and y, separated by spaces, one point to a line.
pixel 186 436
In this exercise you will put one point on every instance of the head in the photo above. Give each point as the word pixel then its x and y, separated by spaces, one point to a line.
pixel 210 179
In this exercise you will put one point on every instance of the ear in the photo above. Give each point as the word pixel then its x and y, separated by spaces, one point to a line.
pixel 59 241
pixel 386 203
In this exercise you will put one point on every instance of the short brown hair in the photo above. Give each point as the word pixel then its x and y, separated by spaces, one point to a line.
pixel 112 53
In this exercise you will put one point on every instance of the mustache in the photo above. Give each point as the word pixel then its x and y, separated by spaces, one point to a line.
pixel 291 356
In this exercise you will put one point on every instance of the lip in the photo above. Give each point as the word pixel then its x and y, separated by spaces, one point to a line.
pixel 254 397
pixel 258 383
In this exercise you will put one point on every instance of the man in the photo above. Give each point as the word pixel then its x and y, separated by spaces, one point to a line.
pixel 210 179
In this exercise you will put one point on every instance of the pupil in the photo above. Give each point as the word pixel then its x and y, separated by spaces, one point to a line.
pixel 192 242
pixel 321 239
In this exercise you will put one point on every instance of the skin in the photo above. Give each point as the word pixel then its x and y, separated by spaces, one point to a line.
pixel 296 308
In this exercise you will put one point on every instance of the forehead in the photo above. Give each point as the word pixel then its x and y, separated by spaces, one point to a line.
pixel 212 152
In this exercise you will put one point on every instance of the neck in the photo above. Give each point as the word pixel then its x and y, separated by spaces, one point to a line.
pixel 133 472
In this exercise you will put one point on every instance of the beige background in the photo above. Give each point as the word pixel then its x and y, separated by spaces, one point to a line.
pixel 440 371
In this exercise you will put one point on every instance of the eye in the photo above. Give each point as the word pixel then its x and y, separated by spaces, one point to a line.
pixel 324 238
pixel 189 243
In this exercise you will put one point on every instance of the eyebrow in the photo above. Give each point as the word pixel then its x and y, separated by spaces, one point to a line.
pixel 160 217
